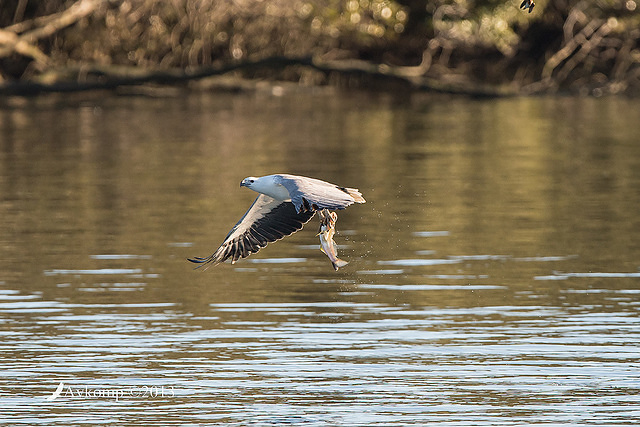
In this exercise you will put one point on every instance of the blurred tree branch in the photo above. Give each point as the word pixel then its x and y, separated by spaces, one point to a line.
pixel 111 77
pixel 20 38
pixel 11 43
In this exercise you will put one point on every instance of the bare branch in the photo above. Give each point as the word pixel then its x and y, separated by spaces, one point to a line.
pixel 23 44
pixel 574 43
pixel 16 44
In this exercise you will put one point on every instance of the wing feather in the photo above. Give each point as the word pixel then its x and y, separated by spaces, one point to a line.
pixel 267 220
pixel 314 194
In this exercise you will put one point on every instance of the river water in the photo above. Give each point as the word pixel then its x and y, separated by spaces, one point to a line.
pixel 493 279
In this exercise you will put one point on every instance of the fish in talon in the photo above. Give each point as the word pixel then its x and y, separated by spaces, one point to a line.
pixel 326 232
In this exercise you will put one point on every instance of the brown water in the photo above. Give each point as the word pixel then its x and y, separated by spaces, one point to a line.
pixel 493 278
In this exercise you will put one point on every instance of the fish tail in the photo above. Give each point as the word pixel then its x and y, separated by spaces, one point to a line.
pixel 338 263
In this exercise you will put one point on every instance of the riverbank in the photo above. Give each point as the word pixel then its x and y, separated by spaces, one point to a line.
pixel 452 47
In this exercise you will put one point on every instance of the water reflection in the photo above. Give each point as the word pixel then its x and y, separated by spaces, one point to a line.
pixel 493 272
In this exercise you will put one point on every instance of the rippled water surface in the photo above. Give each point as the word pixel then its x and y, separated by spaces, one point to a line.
pixel 493 280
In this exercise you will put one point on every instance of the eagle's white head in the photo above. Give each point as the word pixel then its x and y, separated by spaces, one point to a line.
pixel 248 181
pixel 268 185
